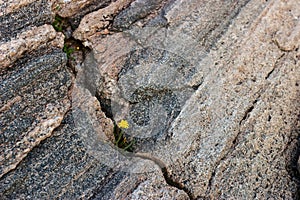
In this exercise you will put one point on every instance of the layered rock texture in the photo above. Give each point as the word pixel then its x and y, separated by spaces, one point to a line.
pixel 210 90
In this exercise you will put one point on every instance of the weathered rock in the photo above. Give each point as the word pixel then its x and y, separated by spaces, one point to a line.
pixel 10 5
pixel 237 127
pixel 34 83
pixel 137 11
pixel 67 170
pixel 29 41
pixel 98 20
pixel 75 10
pixel 64 165
pixel 70 8
pixel 210 90
pixel 17 17
pixel 34 100
pixel 89 106
pixel 238 74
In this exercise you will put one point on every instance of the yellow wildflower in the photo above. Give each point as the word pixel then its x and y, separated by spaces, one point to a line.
pixel 123 124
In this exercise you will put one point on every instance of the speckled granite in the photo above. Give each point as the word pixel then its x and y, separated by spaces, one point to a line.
pixel 210 90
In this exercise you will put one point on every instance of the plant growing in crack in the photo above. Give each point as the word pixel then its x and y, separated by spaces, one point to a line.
pixel 68 50
pixel 57 7
pixel 121 140
pixel 123 143
pixel 58 23
pixel 61 25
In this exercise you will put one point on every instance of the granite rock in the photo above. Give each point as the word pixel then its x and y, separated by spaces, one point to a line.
pixel 210 90
pixel 19 16
pixel 75 10
pixel 29 41
pixel 98 20
pixel 34 99
pixel 64 165
pixel 34 82
pixel 233 62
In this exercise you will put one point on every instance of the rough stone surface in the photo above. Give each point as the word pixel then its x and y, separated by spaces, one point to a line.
pixel 11 5
pixel 33 102
pixel 75 10
pixel 34 88
pixel 29 41
pixel 99 20
pixel 24 16
pixel 71 8
pixel 210 90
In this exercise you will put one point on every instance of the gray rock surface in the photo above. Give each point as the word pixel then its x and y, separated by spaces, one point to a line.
pixel 210 90
pixel 75 10
pixel 17 16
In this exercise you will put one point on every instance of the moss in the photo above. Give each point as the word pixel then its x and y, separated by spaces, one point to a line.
pixel 58 23
pixel 68 50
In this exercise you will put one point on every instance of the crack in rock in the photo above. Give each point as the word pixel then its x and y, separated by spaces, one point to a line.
pixel 165 172
pixel 274 67
pixel 233 144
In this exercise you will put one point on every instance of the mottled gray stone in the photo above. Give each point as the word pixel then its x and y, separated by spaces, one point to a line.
pixel 234 57
pixel 33 102
pixel 36 13
pixel 33 77
pixel 75 10
pixel 155 83
pixel 99 21
pixel 59 168
pixel 138 10
pixel 210 90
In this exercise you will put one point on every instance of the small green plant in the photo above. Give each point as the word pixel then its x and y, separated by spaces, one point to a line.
pixel 121 140
pixel 58 8
pixel 58 23
pixel 68 50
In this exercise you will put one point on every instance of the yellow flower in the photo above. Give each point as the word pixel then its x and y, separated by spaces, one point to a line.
pixel 123 124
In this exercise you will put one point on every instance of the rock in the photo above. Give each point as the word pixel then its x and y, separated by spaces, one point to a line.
pixel 34 83
pixel 210 90
pixel 34 100
pixel 59 167
pixel 75 10
pixel 29 41
pixel 19 16
pixel 67 167
pixel 235 72
pixel 89 106
pixel 298 165
pixel 10 6
pixel 135 12
pixel 237 127
pixel 98 20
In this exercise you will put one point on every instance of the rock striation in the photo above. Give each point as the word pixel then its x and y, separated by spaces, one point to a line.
pixel 210 90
